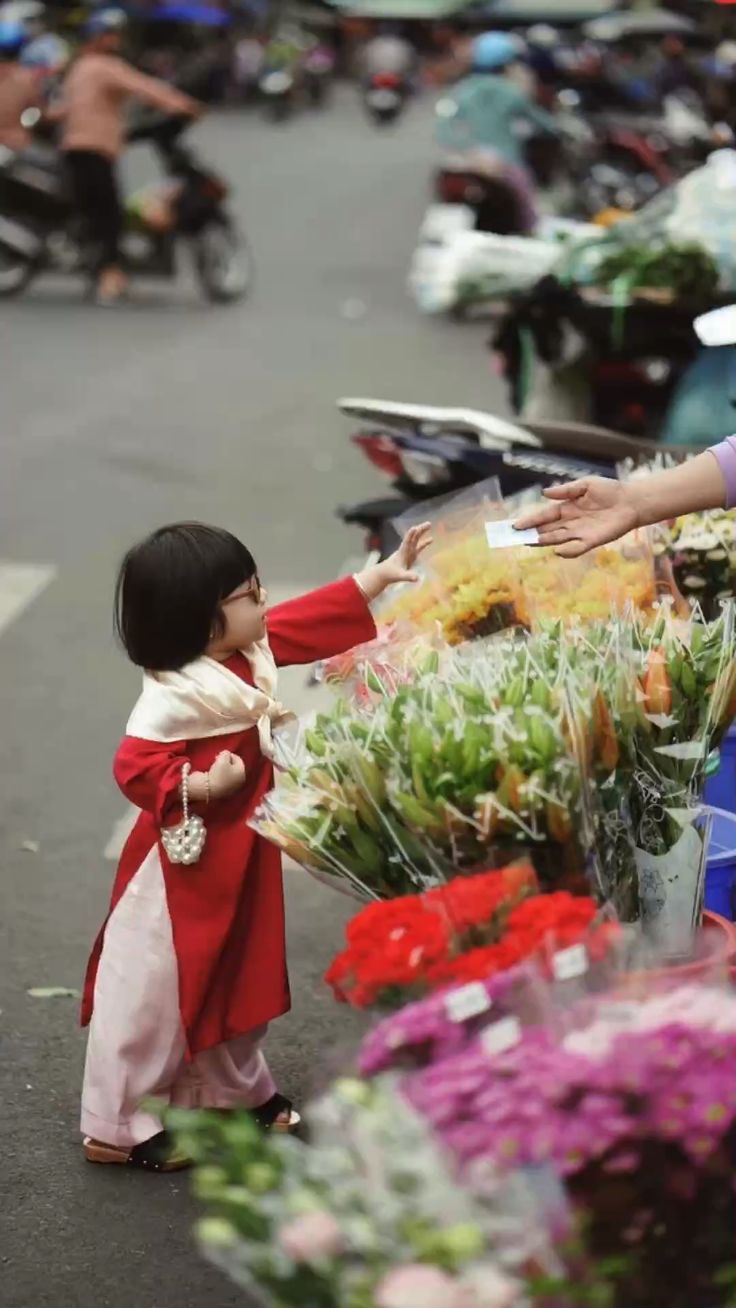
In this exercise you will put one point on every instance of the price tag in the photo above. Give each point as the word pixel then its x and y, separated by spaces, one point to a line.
pixel 502 1035
pixel 467 1001
pixel 569 963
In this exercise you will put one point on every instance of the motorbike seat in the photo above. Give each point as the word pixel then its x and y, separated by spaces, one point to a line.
pixel 588 439
pixel 492 432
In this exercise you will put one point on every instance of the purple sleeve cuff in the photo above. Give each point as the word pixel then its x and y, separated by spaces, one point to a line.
pixel 725 454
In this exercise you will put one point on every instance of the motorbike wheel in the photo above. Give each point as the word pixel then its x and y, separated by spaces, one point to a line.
pixel 223 263
pixel 280 108
pixel 15 274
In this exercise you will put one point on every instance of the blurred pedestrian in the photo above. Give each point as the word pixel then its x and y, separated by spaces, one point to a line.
pixel 95 93
pixel 190 966
pixel 26 84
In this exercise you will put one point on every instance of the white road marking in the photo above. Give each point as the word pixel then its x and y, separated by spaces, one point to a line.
pixel 20 585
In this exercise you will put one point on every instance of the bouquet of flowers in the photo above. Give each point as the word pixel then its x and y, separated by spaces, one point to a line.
pixel 366 1216
pixel 697 549
pixel 476 592
pixel 443 774
pixel 469 930
pixel 446 1022
pixel 685 701
pixel 391 660
pixel 633 1106
pixel 701 548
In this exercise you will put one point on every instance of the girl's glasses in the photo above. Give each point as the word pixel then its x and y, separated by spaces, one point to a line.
pixel 253 591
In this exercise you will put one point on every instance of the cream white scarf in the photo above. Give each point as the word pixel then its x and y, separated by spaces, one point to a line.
pixel 205 698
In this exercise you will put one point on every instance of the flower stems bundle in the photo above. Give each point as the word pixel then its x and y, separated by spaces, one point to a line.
pixel 447 773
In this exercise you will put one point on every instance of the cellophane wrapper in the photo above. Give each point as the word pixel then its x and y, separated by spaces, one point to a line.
pixel 472 591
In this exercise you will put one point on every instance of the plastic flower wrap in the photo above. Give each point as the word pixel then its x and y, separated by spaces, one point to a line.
pixel 448 773
pixel 365 1216
pixel 467 931
pixel 634 1106
pixel 472 591
pixel 390 660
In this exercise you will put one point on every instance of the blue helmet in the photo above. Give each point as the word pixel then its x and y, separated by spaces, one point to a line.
pixel 46 52
pixel 105 20
pixel 493 50
pixel 12 37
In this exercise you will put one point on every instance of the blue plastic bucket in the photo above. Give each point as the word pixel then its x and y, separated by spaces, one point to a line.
pixel 720 789
pixel 720 869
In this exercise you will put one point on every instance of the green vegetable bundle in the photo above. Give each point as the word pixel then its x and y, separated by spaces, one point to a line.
pixel 685 269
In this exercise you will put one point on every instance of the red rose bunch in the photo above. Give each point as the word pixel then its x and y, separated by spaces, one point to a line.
pixel 468 930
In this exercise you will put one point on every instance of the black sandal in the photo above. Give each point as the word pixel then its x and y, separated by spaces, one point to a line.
pixel 266 1116
pixel 159 1154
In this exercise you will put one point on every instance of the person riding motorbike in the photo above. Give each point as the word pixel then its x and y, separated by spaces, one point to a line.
pixel 481 118
pixel 91 109
pixel 390 54
pixel 25 84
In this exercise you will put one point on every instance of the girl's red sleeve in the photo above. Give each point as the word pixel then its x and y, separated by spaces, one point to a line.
pixel 325 622
pixel 149 773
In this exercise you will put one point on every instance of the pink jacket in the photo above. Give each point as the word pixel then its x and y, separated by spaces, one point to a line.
pixel 94 97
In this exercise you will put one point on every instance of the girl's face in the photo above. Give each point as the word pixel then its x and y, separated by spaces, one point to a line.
pixel 244 615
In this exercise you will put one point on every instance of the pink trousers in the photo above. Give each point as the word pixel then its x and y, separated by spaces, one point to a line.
pixel 135 1050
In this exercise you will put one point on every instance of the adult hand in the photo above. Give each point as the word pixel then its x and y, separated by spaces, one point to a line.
pixel 584 514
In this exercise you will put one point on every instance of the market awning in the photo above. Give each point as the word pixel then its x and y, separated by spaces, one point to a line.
pixel 401 10
pixel 524 13
pixel 644 22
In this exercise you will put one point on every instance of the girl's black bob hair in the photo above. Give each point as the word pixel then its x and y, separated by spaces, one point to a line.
pixel 169 591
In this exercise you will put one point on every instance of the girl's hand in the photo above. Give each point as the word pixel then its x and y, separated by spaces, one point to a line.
pixel 399 566
pixel 586 513
pixel 226 775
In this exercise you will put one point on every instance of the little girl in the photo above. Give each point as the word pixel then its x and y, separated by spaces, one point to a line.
pixel 190 965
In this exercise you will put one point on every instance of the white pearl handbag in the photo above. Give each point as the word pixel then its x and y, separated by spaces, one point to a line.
pixel 184 842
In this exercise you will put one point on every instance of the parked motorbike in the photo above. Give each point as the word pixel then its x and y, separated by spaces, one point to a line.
pixel 40 230
pixel 584 359
pixel 277 87
pixel 426 452
pixel 628 157
pixel 385 96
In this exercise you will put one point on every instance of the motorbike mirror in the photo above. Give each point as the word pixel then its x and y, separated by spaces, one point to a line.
pixel 717 327
pixel 30 118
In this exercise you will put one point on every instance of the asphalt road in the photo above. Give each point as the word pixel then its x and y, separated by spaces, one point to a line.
pixel 112 423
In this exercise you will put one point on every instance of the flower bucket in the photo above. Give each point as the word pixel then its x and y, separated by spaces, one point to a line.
pixel 716 955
